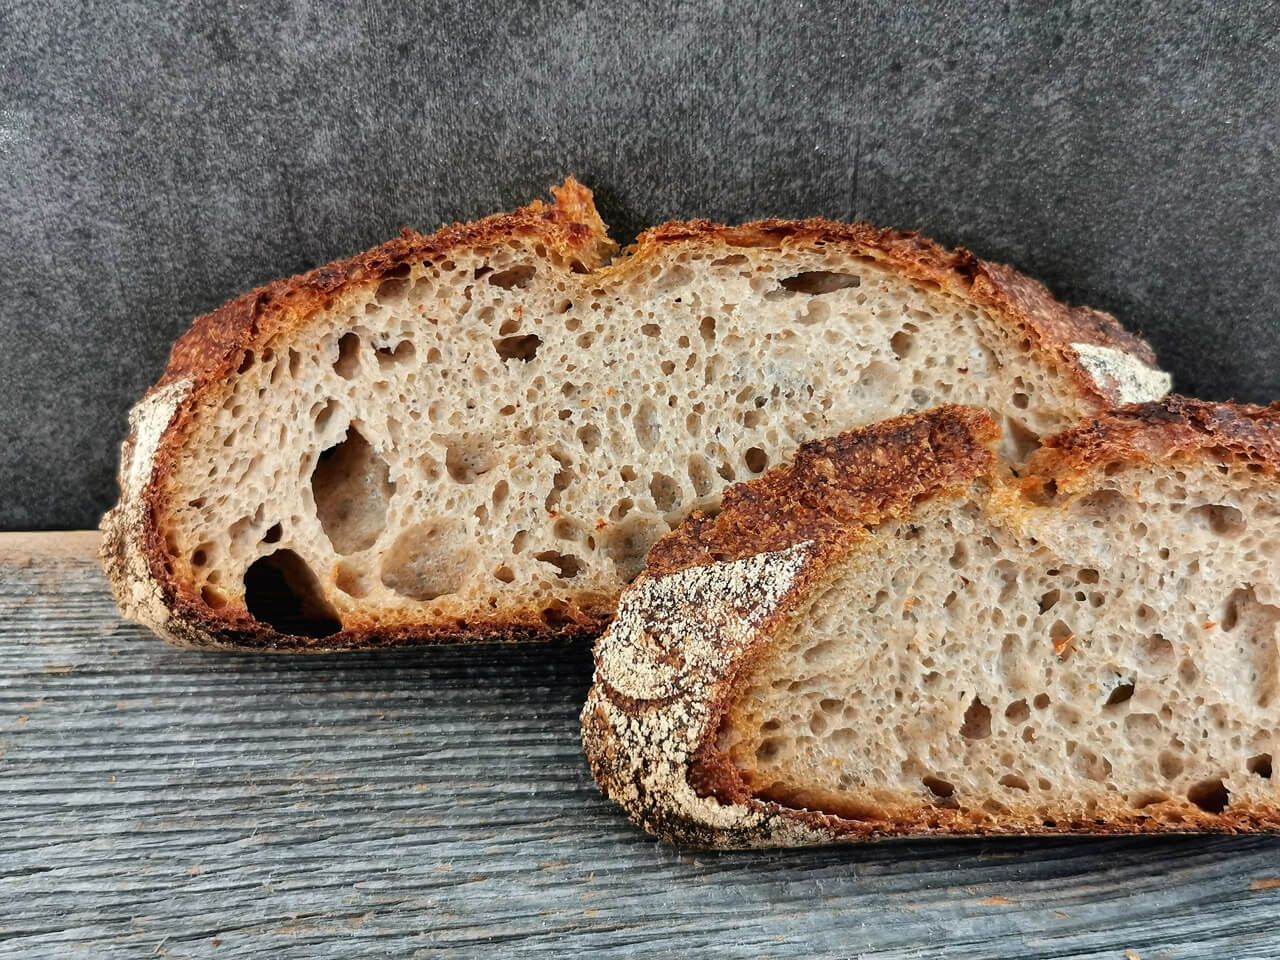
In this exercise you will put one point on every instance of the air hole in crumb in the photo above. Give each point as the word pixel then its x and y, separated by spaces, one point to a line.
pixel 281 591
pixel 665 492
pixel 351 488
pixel 768 751
pixel 518 276
pixel 567 566
pixel 1021 400
pixel 1260 766
pixel 213 598
pixel 1017 712
pixel 1120 694
pixel 1041 701
pixel 1015 782
pixel 504 574
pixel 648 428
pixel 1222 520
pixel 403 352
pixel 939 787
pixel 1048 600
pixel 430 560
pixel 589 436
pixel 650 329
pixel 199 556
pixel 558 614
pixel 274 533
pixel 1170 764
pixel 627 542
pixel 817 282
pixel 467 457
pixel 707 329
pixel 1211 796
pixel 700 475
pixel 348 361
pixel 518 348
pixel 900 343
pixel 349 581
pixel 245 362
pixel 393 288
pixel 977 721
pixel 756 459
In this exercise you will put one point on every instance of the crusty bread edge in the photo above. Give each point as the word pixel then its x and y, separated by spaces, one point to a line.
pixel 1106 362
pixel 709 597
pixel 133 554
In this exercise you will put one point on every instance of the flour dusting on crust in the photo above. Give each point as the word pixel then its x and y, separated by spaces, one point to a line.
pixel 660 667
pixel 136 591
pixel 1123 374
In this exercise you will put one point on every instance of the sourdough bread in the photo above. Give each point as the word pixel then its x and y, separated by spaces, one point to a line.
pixel 479 434
pixel 895 635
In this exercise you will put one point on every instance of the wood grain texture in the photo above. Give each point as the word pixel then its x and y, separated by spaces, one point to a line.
pixel 162 802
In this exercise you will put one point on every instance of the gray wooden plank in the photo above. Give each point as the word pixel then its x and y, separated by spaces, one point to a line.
pixel 161 802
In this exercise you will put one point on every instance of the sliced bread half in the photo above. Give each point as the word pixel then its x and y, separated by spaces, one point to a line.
pixel 894 636
pixel 479 434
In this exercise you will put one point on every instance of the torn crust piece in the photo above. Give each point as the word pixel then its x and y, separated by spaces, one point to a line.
pixel 894 636
pixel 479 434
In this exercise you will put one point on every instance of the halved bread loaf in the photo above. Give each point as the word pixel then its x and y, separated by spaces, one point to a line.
pixel 895 635
pixel 480 434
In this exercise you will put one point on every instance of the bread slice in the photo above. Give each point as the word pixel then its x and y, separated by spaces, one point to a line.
pixel 479 434
pixel 895 635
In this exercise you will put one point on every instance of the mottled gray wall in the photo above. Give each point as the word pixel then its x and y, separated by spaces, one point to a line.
pixel 154 162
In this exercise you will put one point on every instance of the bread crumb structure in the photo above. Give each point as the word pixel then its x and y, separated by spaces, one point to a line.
pixel 1091 647
pixel 481 434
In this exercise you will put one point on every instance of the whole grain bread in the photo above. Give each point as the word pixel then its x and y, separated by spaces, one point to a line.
pixel 894 635
pixel 479 434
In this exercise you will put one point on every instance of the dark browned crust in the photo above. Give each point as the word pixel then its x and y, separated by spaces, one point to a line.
pixel 216 342
pixel 1172 428
pixel 235 629
pixel 1021 303
pixel 834 490
pixel 571 229
pixel 835 487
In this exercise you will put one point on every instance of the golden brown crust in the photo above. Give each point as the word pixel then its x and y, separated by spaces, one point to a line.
pixel 711 592
pixel 217 343
pixel 835 486
pixel 1052 328
pixel 1171 428
pixel 716 588
pixel 209 353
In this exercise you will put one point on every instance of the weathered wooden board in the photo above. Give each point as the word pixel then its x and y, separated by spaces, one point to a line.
pixel 161 802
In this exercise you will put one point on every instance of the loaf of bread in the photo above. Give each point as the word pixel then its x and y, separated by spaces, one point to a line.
pixel 894 635
pixel 479 434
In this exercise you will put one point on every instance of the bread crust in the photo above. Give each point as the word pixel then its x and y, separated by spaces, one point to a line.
pixel 1173 428
pixel 1054 330
pixel 134 553
pixel 689 620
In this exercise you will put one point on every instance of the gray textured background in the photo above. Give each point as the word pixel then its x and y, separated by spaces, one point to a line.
pixel 156 161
